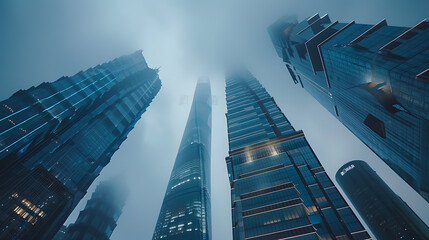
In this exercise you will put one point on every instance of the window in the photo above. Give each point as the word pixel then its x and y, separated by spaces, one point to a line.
pixel 376 125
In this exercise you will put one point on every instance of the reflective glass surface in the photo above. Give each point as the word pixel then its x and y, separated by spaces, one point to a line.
pixel 185 211
pixel 373 78
pixel 279 189
pixel 56 138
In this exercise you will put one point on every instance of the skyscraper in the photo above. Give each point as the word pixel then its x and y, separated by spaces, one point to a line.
pixel 279 189
pixel 98 220
pixel 386 214
pixel 56 138
pixel 373 78
pixel 185 211
pixel 61 234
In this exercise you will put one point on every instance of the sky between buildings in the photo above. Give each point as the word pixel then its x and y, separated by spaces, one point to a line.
pixel 41 41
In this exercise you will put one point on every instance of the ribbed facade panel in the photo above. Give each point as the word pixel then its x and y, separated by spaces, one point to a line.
pixel 56 138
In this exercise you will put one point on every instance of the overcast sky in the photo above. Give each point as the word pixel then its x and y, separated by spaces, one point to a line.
pixel 41 41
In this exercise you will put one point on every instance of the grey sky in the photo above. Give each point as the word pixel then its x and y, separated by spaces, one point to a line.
pixel 44 40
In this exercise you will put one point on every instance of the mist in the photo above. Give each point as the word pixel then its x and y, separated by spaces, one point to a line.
pixel 44 40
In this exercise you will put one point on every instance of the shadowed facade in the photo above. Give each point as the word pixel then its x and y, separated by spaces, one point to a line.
pixel 373 78
pixel 100 216
pixel 57 137
pixel 385 213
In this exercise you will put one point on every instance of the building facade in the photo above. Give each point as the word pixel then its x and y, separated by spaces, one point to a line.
pixel 386 214
pixel 185 211
pixel 56 138
pixel 373 78
pixel 100 216
pixel 279 189
pixel 61 234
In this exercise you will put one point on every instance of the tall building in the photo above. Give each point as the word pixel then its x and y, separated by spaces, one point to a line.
pixel 386 214
pixel 56 138
pixel 279 189
pixel 373 78
pixel 61 234
pixel 98 220
pixel 185 211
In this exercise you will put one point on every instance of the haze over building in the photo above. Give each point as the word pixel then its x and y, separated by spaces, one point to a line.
pixel 279 189
pixel 185 211
pixel 373 78
pixel 100 216
pixel 386 214
pixel 56 138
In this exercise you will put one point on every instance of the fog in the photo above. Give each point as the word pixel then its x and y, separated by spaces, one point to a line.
pixel 44 40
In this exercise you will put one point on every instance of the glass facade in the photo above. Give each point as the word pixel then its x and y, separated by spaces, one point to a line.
pixel 279 189
pixel 373 78
pixel 386 214
pixel 185 211
pixel 98 220
pixel 56 138
pixel 61 234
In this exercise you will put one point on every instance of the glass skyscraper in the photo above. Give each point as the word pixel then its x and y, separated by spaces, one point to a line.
pixel 185 211
pixel 279 189
pixel 373 78
pixel 56 138
pixel 386 214
pixel 98 220
pixel 61 234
